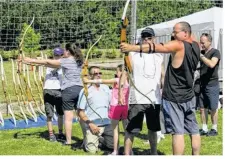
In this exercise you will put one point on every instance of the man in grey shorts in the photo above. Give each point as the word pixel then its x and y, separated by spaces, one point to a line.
pixel 178 95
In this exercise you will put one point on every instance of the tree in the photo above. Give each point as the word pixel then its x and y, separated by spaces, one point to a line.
pixel 31 41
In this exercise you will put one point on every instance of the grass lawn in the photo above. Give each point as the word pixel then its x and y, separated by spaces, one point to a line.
pixel 34 141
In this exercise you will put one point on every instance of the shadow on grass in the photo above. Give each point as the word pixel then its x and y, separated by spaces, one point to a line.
pixel 140 136
pixel 45 135
pixel 138 151
pixel 20 135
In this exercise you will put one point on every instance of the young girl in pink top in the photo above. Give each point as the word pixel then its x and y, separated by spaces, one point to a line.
pixel 117 111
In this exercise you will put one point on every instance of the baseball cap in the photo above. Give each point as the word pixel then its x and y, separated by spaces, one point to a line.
pixel 58 51
pixel 147 32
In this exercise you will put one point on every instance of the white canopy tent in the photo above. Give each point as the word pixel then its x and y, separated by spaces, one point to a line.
pixel 206 21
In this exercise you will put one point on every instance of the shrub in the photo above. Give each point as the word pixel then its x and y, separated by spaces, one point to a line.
pixel 111 54
pixel 97 54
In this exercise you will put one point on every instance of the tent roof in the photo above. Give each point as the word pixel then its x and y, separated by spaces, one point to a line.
pixel 212 15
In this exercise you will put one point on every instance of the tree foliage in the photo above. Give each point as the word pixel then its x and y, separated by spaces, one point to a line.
pixel 31 41
pixel 62 21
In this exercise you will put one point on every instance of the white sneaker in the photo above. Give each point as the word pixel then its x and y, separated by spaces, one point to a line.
pixel 113 153
pixel 131 152
pixel 160 136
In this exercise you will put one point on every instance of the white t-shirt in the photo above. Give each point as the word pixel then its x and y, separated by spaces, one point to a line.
pixel 146 77
pixel 53 78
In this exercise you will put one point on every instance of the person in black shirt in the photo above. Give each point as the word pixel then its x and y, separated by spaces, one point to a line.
pixel 178 105
pixel 209 84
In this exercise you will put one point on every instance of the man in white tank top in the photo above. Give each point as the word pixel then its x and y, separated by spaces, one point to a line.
pixel 147 77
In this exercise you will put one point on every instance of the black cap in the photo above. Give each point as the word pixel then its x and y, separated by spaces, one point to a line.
pixel 148 32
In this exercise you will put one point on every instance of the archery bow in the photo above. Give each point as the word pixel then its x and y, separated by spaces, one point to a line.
pixel 22 93
pixel 127 63
pixel 17 93
pixel 23 76
pixel 6 94
pixel 84 74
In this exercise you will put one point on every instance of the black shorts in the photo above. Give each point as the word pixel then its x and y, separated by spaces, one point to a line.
pixel 70 97
pixel 136 115
pixel 209 97
pixel 53 98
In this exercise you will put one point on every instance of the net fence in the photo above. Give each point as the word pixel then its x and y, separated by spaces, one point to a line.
pixel 57 22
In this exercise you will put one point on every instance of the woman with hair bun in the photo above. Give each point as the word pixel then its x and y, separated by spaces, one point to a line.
pixel 71 65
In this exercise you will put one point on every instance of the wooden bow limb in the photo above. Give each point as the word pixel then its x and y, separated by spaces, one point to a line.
pixel 123 36
pixel 6 94
pixel 17 93
pixel 38 88
pixel 27 92
pixel 2 123
pixel 26 103
pixel 31 93
pixel 41 73
pixel 84 74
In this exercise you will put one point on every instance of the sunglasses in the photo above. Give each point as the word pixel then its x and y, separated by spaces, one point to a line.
pixel 146 38
pixel 97 73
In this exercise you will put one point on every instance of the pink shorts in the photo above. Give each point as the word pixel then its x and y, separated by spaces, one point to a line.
pixel 118 112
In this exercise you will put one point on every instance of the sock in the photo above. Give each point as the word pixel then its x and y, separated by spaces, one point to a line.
pixel 60 131
pixel 214 126
pixel 51 133
pixel 204 127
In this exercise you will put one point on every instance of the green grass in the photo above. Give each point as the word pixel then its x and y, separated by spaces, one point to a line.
pixel 33 142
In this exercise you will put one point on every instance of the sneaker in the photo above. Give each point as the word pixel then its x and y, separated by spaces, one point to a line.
pixel 131 152
pixel 212 132
pixel 62 137
pixel 66 144
pixel 203 132
pixel 52 138
pixel 113 153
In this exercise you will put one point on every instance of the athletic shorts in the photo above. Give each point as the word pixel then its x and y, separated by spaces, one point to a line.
pixel 136 114
pixel 179 118
pixel 70 97
pixel 52 98
pixel 118 112
pixel 209 97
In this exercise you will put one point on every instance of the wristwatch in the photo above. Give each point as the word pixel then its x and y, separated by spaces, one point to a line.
pixel 88 122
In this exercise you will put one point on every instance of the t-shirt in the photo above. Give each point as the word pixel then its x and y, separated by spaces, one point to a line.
pixel 99 100
pixel 115 91
pixel 71 73
pixel 146 77
pixel 209 76
pixel 53 78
